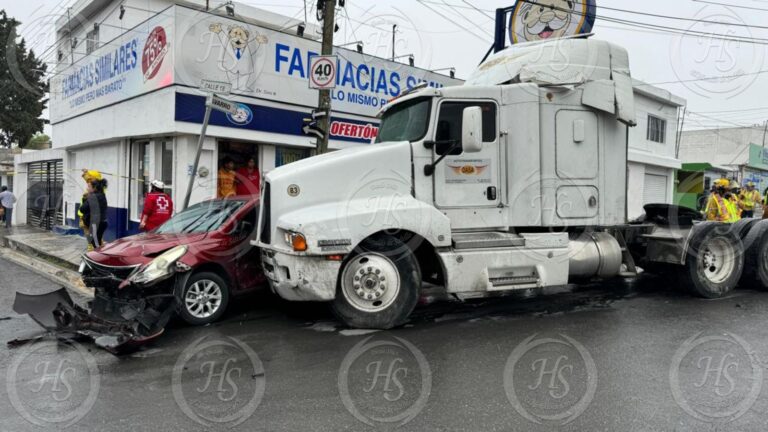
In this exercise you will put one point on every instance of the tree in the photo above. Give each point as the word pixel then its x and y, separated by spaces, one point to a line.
pixel 22 87
pixel 39 142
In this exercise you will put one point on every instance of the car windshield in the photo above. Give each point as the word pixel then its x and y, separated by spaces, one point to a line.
pixel 201 218
pixel 405 122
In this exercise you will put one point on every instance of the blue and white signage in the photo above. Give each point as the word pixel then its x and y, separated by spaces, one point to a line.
pixel 535 20
pixel 242 117
pixel 276 66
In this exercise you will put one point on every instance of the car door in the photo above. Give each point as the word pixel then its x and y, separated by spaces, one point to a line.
pixel 467 186
pixel 248 261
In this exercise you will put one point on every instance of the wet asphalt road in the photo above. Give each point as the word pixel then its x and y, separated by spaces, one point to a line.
pixel 620 356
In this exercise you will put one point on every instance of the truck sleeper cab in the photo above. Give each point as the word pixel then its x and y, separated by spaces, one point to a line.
pixel 509 182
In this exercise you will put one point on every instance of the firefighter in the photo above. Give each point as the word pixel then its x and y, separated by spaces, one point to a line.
pixel 718 207
pixel 89 176
pixel 737 207
pixel 158 207
pixel 750 197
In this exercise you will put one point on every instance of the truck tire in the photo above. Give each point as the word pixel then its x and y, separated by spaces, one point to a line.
pixel 378 289
pixel 756 257
pixel 204 299
pixel 714 262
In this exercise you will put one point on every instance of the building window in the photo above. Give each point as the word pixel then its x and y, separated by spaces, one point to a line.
pixel 142 175
pixel 657 129
pixel 284 156
pixel 166 166
pixel 92 40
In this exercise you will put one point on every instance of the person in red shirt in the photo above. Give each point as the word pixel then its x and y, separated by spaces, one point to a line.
pixel 249 179
pixel 158 207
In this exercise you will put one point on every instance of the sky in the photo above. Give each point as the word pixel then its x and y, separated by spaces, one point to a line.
pixel 684 46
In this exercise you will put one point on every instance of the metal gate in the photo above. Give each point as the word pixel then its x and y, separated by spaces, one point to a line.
pixel 45 193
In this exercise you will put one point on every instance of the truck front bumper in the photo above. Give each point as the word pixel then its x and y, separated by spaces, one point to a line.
pixel 301 278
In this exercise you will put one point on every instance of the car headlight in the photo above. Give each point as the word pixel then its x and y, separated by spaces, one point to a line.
pixel 160 268
pixel 296 240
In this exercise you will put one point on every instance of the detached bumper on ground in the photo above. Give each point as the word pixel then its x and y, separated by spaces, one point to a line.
pixel 118 319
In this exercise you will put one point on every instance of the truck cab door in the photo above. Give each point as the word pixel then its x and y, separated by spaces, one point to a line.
pixel 468 186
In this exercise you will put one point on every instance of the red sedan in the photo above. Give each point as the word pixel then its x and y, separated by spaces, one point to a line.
pixel 191 265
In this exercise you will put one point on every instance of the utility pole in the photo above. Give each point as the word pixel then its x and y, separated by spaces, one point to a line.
pixel 324 104
pixel 765 131
pixel 394 36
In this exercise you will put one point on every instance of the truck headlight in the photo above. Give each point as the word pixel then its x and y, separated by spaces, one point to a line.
pixel 296 240
pixel 160 268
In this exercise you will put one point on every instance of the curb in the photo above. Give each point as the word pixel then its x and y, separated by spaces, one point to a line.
pixel 68 278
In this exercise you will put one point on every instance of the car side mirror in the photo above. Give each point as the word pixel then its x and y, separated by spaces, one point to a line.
pixel 472 130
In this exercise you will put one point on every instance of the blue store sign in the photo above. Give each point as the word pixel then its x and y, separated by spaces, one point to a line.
pixel 191 108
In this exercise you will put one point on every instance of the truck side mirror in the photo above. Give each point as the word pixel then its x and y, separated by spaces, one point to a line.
pixel 472 130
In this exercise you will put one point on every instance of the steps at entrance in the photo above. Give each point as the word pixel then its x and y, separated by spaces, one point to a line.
pixel 485 240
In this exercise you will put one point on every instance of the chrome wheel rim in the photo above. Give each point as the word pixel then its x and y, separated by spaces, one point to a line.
pixel 718 259
pixel 203 298
pixel 370 282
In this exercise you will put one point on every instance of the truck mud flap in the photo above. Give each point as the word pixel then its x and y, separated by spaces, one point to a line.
pixel 64 320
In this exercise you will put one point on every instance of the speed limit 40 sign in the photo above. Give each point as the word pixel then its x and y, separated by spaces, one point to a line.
pixel 322 73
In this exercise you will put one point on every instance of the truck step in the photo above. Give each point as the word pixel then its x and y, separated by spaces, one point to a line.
pixel 484 240
pixel 513 280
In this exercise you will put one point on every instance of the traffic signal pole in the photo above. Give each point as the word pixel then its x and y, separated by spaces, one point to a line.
pixel 324 104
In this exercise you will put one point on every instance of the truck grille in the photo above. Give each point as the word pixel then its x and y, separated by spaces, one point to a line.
pixel 266 210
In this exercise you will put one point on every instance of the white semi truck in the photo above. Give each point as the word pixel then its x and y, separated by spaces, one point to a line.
pixel 514 181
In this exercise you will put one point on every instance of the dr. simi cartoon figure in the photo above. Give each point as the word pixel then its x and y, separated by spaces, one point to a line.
pixel 547 19
pixel 240 51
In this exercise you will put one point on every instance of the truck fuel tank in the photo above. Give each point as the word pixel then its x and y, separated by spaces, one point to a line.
pixel 594 254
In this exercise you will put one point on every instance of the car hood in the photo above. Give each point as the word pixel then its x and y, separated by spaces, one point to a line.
pixel 142 248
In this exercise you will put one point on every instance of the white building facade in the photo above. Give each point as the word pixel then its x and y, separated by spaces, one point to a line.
pixel 740 150
pixel 652 160
pixel 126 101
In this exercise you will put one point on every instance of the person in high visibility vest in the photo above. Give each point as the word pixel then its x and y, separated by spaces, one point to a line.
pixel 750 197
pixel 89 176
pixel 719 208
pixel 737 207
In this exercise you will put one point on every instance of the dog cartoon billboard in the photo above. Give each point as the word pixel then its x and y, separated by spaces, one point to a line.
pixel 550 19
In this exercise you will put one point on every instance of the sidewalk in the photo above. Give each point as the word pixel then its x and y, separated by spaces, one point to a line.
pixel 54 256
pixel 62 250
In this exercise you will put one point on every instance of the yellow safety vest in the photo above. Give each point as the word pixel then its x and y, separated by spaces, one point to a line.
pixel 750 199
pixel 718 209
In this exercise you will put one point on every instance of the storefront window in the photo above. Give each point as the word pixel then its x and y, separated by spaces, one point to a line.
pixel 166 168
pixel 142 175
pixel 284 156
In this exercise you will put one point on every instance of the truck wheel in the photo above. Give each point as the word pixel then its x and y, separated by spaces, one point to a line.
pixel 714 262
pixel 378 289
pixel 756 257
pixel 204 299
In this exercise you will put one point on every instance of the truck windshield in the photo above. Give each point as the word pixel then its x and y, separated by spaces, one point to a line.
pixel 405 122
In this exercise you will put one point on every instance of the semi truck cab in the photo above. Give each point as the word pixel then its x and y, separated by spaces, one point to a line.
pixel 515 180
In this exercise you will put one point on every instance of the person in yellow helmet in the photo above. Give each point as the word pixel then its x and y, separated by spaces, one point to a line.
pixel 749 198
pixel 736 206
pixel 89 176
pixel 719 208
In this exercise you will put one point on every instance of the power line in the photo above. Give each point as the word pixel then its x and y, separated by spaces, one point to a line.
pixel 731 5
pixel 685 32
